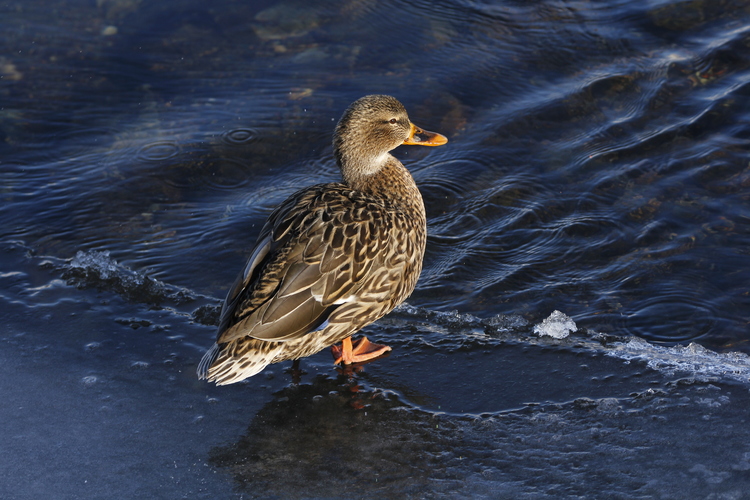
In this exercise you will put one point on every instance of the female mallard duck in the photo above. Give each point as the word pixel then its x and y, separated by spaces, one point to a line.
pixel 333 257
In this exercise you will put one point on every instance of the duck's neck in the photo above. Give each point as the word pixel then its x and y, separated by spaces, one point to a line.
pixel 358 168
pixel 392 183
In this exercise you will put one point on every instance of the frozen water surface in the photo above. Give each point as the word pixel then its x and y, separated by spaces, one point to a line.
pixel 110 405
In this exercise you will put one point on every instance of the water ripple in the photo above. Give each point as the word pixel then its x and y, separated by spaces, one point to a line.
pixel 218 173
pixel 227 174
pixel 684 317
pixel 239 136
pixel 158 151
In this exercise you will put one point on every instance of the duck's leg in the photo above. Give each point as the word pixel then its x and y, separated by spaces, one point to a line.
pixel 362 350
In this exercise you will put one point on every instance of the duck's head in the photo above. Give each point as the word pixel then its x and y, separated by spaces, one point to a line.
pixel 371 127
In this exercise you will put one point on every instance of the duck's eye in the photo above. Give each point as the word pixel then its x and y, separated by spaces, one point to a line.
pixel 393 121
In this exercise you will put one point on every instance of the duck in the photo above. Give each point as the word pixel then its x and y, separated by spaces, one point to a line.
pixel 332 258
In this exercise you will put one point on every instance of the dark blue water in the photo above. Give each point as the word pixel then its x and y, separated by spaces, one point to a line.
pixel 597 165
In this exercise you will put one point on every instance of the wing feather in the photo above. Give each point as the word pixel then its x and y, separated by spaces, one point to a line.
pixel 317 249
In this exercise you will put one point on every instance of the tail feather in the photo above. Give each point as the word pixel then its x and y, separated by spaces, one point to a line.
pixel 208 359
pixel 223 366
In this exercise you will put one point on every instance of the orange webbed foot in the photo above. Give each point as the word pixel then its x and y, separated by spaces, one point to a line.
pixel 361 351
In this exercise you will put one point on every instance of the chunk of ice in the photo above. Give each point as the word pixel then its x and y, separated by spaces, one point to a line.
pixel 98 269
pixel 693 358
pixel 99 262
pixel 557 325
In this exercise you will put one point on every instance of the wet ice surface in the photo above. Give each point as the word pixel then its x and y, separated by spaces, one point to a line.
pixel 462 406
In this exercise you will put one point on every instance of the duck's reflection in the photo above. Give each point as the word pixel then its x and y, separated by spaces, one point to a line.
pixel 336 437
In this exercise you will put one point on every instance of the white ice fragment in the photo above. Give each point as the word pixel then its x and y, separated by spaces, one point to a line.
pixel 693 358
pixel 557 325
pixel 95 260
pixel 506 323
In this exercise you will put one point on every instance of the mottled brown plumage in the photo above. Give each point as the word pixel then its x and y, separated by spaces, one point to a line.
pixel 332 258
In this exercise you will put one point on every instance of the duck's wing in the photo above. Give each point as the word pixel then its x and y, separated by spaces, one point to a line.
pixel 257 260
pixel 310 259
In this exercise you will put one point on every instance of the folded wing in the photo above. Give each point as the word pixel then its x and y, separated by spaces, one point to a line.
pixel 313 256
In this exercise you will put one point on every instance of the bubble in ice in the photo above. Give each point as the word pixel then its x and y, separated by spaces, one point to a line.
pixel 557 325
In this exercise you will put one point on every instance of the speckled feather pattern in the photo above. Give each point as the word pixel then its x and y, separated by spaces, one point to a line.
pixel 331 259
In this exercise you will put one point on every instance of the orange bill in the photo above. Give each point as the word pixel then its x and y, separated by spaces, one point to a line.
pixel 420 137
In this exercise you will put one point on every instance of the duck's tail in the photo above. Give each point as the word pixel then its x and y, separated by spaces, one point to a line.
pixel 207 361
pixel 233 362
